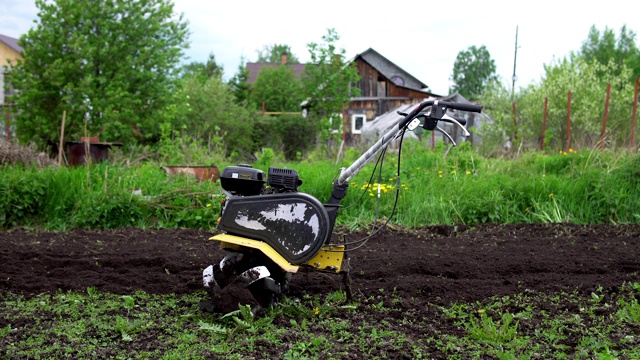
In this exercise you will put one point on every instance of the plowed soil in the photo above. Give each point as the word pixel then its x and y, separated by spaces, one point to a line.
pixel 437 264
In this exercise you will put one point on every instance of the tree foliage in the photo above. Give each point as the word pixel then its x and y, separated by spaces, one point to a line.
pixel 238 83
pixel 604 47
pixel 208 110
pixel 497 105
pixel 472 71
pixel 273 54
pixel 587 82
pixel 110 64
pixel 327 79
pixel 278 88
pixel 204 70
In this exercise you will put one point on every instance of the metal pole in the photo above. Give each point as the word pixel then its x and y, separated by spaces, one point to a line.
pixel 604 118
pixel 513 78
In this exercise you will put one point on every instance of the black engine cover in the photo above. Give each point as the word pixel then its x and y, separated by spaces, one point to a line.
pixel 296 225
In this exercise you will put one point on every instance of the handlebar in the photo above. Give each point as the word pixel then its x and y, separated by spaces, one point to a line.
pixel 460 106
pixel 438 112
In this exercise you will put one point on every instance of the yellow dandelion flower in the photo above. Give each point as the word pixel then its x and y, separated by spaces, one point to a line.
pixel 316 310
pixel 208 205
pixel 551 195
pixel 481 311
pixel 468 172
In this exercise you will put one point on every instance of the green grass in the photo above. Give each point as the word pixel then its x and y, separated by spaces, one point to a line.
pixel 143 326
pixel 459 188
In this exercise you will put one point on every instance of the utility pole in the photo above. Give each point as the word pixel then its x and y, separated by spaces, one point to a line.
pixel 514 77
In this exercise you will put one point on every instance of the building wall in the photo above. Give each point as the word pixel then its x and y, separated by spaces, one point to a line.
pixel 7 53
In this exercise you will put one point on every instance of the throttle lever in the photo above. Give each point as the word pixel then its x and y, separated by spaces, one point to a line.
pixel 456 122
pixel 447 134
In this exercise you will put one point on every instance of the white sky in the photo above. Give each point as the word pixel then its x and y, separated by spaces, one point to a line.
pixel 421 37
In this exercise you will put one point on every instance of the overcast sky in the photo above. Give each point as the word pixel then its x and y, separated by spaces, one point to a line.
pixel 421 37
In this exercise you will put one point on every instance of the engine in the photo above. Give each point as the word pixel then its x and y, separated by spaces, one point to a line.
pixel 271 209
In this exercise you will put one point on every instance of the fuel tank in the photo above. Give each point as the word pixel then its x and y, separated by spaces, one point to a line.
pixel 294 224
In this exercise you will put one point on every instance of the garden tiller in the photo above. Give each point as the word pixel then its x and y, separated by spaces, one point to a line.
pixel 270 230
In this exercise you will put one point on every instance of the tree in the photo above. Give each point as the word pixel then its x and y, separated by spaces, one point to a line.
pixel 210 112
pixel 273 54
pixel 604 47
pixel 238 83
pixel 472 71
pixel 278 88
pixel 110 64
pixel 206 70
pixel 327 79
pixel 587 84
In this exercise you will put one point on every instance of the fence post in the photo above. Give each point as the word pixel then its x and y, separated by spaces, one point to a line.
pixel 604 118
pixel 633 116
pixel 61 144
pixel 7 123
pixel 568 144
pixel 544 122
pixel 433 140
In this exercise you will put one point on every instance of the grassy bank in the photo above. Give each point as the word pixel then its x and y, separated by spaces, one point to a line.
pixel 459 187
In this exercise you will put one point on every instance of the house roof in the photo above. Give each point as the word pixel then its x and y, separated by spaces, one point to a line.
pixel 383 65
pixel 254 69
pixel 11 42
pixel 391 71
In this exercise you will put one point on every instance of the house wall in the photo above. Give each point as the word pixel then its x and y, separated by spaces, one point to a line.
pixel 7 53
pixel 378 95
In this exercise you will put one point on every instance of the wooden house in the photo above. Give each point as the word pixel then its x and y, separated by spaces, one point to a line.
pixel 383 86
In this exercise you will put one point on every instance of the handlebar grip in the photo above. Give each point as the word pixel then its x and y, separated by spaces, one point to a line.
pixel 461 106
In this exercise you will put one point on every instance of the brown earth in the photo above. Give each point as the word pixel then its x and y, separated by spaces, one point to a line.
pixel 435 264
pixel 439 264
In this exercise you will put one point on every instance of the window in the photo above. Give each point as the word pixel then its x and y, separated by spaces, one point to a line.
pixel 398 80
pixel 357 123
